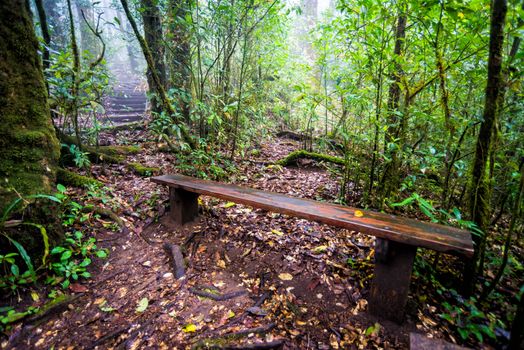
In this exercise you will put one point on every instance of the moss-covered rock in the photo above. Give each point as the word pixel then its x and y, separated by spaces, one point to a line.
pixel 142 170
pixel 29 149
pixel 69 178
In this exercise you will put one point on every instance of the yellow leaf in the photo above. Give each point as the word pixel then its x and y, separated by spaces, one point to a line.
pixel 461 15
pixel 285 276
pixel 189 328
pixel 35 296
pixel 359 214
pixel 301 323
pixel 230 314
pixel 277 232
pixel 229 204
pixel 320 249
pixel 221 263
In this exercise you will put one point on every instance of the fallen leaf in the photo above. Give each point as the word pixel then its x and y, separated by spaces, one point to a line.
pixel 229 204
pixel 320 249
pixel 77 288
pixel 277 232
pixel 35 296
pixel 142 305
pixel 285 276
pixel 230 314
pixel 189 328
pixel 257 311
pixel 359 213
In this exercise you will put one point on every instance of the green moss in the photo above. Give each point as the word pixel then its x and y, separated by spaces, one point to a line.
pixel 119 150
pixel 141 170
pixel 69 178
pixel 29 149
pixel 293 157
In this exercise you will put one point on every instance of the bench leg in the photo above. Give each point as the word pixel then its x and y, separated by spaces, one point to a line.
pixel 389 291
pixel 183 205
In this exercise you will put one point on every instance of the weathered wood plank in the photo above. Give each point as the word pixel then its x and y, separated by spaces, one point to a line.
pixel 408 231
pixel 390 287
pixel 183 205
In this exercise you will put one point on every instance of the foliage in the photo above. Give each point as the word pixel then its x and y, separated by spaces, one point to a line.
pixel 468 320
pixel 70 260
pixel 66 261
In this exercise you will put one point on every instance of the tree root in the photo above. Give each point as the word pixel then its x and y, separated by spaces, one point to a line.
pixel 70 178
pixel 223 342
pixel 201 291
pixel 293 157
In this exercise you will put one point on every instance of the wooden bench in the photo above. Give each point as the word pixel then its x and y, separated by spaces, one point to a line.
pixel 395 247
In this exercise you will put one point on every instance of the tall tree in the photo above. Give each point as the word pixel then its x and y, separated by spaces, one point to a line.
pixel 180 55
pixel 154 38
pixel 396 117
pixel 480 186
pixel 157 82
pixel 29 149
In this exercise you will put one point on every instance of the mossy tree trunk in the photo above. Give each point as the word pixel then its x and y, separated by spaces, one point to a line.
pixel 480 185
pixel 29 149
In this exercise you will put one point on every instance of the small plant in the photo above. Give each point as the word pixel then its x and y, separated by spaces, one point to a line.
pixel 81 159
pixel 72 258
pixel 467 319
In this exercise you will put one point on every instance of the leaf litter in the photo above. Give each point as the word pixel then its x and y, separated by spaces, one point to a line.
pixel 301 282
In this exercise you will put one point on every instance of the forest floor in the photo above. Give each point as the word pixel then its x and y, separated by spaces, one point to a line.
pixel 302 283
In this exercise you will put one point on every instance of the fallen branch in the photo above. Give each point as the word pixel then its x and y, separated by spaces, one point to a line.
pixel 104 212
pixel 293 157
pixel 216 342
pixel 276 344
pixel 174 253
pixel 291 135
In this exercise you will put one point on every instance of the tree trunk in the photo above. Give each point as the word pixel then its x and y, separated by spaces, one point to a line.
pixel 153 36
pixel 159 87
pixel 29 149
pixel 390 179
pixel 480 186
pixel 180 56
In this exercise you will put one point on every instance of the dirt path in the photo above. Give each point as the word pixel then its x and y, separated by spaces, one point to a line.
pixel 294 271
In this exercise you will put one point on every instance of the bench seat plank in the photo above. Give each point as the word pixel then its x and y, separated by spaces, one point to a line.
pixel 408 231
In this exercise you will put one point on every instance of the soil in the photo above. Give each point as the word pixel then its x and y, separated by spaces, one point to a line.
pixel 309 281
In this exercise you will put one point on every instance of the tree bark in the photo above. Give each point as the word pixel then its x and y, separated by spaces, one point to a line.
pixel 396 121
pixel 29 149
pixel 180 56
pixel 480 186
pixel 166 104
pixel 154 38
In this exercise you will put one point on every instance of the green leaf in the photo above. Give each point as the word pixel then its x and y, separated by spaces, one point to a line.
pixel 142 305
pixel 23 254
pixel 45 238
pixel 61 188
pixel 101 254
pixel 66 255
